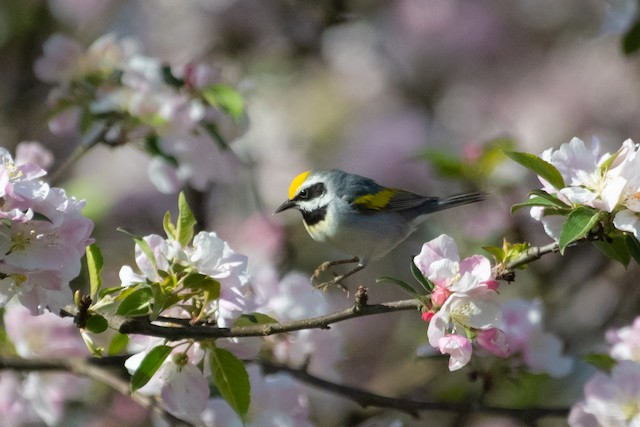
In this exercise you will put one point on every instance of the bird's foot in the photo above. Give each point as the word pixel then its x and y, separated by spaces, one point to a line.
pixel 337 281
pixel 321 269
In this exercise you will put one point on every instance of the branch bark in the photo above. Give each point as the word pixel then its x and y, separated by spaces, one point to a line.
pixel 143 326
pixel 412 407
pixel 90 368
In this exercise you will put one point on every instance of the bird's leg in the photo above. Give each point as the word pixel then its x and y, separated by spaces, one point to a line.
pixel 337 279
pixel 328 264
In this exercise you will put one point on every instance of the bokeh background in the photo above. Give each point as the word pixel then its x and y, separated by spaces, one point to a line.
pixel 378 88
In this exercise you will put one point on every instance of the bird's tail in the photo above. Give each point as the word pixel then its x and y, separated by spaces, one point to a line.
pixel 460 199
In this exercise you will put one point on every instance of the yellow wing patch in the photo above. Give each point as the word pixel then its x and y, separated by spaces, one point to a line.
pixel 376 201
pixel 296 183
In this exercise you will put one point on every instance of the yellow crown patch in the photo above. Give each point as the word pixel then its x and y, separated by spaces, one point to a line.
pixel 296 183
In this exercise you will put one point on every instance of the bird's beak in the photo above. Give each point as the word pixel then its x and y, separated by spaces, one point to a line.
pixel 288 204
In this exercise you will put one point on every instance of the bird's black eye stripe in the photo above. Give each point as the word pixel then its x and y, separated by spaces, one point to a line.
pixel 316 190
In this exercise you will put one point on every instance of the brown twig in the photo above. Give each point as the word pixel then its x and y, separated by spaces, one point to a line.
pixel 91 368
pixel 412 407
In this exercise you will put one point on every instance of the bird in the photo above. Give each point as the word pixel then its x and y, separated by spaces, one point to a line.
pixel 358 216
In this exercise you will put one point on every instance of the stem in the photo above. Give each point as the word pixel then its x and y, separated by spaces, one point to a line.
pixel 90 368
pixel 93 138
pixel 143 326
pixel 412 407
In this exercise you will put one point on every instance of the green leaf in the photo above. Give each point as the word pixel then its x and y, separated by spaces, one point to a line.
pixel 616 249
pixel 224 97
pixel 215 134
pixel 169 78
pixel 186 221
pixel 407 288
pixel 118 343
pixel 534 201
pixel 540 167
pixel 253 319
pixel 91 346
pixel 231 379
pixel 634 246
pixel 96 324
pixel 169 228
pixel 578 224
pixel 497 252
pixel 94 266
pixel 137 303
pixel 204 283
pixel 631 40
pixel 151 146
pixel 37 216
pixel 426 284
pixel 446 164
pixel 149 366
pixel 600 361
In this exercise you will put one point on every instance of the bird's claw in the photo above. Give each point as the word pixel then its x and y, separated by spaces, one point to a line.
pixel 321 269
pixel 337 280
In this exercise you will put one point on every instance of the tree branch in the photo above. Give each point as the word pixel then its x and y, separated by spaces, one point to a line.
pixel 143 326
pixel 94 369
pixel 93 138
pixel 412 407
pixel 531 255
pixel 177 329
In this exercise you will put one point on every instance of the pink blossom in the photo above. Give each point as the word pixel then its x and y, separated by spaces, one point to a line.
pixel 186 392
pixel 182 387
pixel 42 336
pixel 464 296
pixel 35 153
pixel 288 298
pixel 625 342
pixel 439 262
pixel 439 296
pixel 587 182
pixel 39 255
pixel 494 341
pixel 458 348
pixel 276 400
pixel 427 316
pixel 60 61
pixel 15 409
pixel 47 336
pixel 610 400
pixel 540 351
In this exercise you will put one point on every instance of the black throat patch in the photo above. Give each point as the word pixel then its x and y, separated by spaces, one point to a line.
pixel 315 216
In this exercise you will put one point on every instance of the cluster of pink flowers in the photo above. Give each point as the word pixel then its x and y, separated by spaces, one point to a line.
pixel 607 182
pixel 464 303
pixel 41 397
pixel 465 309
pixel 143 100
pixel 182 382
pixel 536 349
pixel 43 233
pixel 613 399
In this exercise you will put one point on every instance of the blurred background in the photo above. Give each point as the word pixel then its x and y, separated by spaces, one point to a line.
pixel 417 94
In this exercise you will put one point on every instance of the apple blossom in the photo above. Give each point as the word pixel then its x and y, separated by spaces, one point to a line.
pixel 540 351
pixel 44 236
pixel 625 342
pixel 44 337
pixel 464 299
pixel 172 108
pixel 179 382
pixel 607 182
pixel 610 400
pixel 276 400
